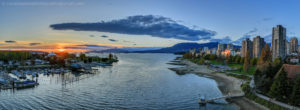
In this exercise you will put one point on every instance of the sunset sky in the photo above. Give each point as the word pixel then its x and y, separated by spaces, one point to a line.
pixel 102 24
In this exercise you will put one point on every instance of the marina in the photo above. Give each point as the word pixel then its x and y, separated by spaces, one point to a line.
pixel 26 78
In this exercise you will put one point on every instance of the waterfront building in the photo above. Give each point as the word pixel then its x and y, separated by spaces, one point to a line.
pixel 258 45
pixel 287 47
pixel 278 42
pixel 205 49
pixel 193 51
pixel 51 54
pixel 246 46
pixel 213 51
pixel 229 46
pixel 294 45
pixel 221 48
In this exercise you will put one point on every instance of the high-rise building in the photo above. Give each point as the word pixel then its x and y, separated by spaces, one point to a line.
pixel 229 46
pixel 278 42
pixel 246 46
pixel 205 49
pixel 221 48
pixel 258 44
pixel 294 45
pixel 287 47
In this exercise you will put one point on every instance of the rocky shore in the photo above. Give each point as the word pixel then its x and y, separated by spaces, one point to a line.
pixel 227 84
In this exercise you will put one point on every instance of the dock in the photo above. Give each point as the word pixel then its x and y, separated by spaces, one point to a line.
pixel 212 100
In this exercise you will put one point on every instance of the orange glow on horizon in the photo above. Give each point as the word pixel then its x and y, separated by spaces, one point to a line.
pixel 48 50
pixel 61 50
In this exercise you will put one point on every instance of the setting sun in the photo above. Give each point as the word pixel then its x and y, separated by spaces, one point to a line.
pixel 61 50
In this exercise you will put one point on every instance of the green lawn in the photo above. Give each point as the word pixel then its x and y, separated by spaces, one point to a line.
pixel 235 65
pixel 215 62
pixel 250 72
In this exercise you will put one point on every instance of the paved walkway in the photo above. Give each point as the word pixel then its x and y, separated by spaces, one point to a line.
pixel 252 85
pixel 271 100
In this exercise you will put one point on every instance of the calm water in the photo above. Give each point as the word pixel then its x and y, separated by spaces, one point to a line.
pixel 137 81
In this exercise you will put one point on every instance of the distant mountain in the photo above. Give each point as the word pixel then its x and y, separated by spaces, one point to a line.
pixel 224 40
pixel 133 49
pixel 114 50
pixel 177 48
pixel 183 47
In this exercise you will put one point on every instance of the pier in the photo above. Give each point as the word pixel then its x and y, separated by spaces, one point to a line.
pixel 212 100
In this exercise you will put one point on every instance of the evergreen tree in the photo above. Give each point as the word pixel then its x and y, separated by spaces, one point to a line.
pixel 295 97
pixel 279 87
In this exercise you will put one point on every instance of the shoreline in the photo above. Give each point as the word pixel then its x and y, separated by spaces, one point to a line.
pixel 226 84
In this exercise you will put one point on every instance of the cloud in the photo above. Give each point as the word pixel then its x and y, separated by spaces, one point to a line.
pixel 250 34
pixel 104 36
pixel 113 40
pixel 88 45
pixel 267 19
pixel 127 41
pixel 156 26
pixel 92 36
pixel 33 44
pixel 10 41
pixel 224 40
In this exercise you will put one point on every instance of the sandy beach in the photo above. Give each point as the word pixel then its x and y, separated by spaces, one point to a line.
pixel 227 84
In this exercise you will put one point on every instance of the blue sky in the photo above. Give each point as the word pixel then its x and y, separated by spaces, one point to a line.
pixel 29 23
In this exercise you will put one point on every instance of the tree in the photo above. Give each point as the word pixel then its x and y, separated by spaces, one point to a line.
pixel 246 62
pixel 237 59
pixel 213 57
pixel 110 56
pixel 265 55
pixel 187 55
pixel 279 87
pixel 295 97
pixel 201 61
pixel 242 60
pixel 82 56
pixel 253 61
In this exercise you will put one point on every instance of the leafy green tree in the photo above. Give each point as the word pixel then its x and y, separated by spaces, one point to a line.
pixel 207 57
pixel 201 61
pixel 253 61
pixel 279 87
pixel 187 55
pixel 237 59
pixel 295 97
pixel 82 56
pixel 242 60
pixel 213 57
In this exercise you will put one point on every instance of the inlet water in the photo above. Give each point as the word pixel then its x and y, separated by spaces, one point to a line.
pixel 137 81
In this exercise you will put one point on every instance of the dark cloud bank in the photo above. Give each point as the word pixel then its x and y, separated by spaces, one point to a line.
pixel 10 41
pixel 156 26
pixel 113 40
pixel 104 36
pixel 33 44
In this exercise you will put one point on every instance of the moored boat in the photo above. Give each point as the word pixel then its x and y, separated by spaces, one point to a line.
pixel 24 84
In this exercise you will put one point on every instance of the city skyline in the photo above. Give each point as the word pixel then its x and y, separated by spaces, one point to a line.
pixel 32 25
